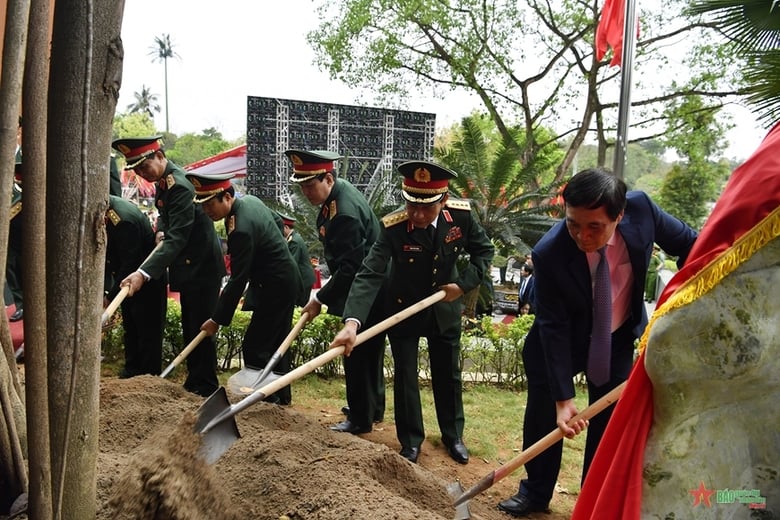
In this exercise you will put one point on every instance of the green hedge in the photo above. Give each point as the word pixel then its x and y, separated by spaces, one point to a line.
pixel 490 352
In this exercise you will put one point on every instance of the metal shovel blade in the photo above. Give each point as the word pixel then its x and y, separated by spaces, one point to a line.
pixel 455 489
pixel 247 380
pixel 221 437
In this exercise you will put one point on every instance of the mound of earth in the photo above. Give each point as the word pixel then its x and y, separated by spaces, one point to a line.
pixel 286 465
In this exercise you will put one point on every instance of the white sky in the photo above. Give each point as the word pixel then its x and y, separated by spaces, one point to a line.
pixel 231 49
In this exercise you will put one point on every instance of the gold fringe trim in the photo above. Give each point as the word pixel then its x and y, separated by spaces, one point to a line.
pixel 720 267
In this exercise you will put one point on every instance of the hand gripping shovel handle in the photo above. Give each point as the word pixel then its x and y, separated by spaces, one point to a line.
pixel 120 297
pixel 322 359
pixel 539 446
pixel 184 353
pixel 282 349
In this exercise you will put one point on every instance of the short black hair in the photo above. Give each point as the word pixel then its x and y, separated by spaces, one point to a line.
pixel 596 187
pixel 527 268
pixel 221 195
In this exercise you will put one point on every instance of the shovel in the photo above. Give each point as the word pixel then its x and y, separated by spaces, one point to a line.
pixel 120 297
pixel 537 447
pixel 184 353
pixel 247 380
pixel 216 420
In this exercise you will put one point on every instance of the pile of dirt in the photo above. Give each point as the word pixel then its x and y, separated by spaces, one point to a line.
pixel 286 465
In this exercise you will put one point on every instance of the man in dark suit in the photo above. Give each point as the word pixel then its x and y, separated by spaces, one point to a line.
pixel 300 254
pixel 422 244
pixel 191 253
pixel 260 258
pixel 602 221
pixel 346 228
pixel 526 290
pixel 130 240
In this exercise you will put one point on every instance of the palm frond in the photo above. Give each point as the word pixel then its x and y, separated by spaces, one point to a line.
pixel 752 24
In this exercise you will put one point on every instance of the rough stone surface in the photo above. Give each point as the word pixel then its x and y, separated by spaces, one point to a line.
pixel 715 368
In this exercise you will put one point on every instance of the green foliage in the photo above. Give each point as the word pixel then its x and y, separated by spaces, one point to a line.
pixel 492 352
pixel 133 124
pixel 504 192
pixel 190 147
pixel 314 339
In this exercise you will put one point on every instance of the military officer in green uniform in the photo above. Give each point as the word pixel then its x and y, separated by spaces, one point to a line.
pixel 259 257
pixel 300 254
pixel 191 253
pixel 13 265
pixel 421 245
pixel 130 240
pixel 347 228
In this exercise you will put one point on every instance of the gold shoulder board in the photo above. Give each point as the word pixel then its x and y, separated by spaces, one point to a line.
pixel 459 204
pixel 114 217
pixel 396 217
pixel 170 180
pixel 15 210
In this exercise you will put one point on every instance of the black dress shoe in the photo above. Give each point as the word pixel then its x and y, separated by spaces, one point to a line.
pixel 348 426
pixel 410 454
pixel 18 315
pixel 521 505
pixel 458 451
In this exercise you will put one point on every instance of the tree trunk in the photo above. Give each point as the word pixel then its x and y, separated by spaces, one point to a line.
pixel 13 442
pixel 85 78
pixel 34 100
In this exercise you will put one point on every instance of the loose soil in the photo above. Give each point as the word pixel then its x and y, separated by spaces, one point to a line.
pixel 286 465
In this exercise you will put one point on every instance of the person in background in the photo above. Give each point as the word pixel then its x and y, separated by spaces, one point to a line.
pixel 347 228
pixel 526 290
pixel 590 277
pixel 422 244
pixel 651 282
pixel 130 239
pixel 300 254
pixel 260 262
pixel 190 253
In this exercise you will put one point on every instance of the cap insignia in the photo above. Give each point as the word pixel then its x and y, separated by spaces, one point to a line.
pixel 422 175
pixel 195 182
pixel 296 160
pixel 124 149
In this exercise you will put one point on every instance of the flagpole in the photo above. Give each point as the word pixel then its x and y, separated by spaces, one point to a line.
pixel 624 105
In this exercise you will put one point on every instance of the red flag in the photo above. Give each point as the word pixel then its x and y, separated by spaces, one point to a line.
pixel 609 32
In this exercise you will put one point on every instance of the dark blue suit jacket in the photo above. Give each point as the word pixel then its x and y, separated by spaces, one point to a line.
pixel 528 295
pixel 557 344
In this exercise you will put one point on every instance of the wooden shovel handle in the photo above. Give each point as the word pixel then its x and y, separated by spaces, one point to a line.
pixel 120 297
pixel 539 446
pixel 184 353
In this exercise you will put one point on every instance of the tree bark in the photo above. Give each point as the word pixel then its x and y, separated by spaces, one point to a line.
pixel 85 79
pixel 34 100
pixel 13 442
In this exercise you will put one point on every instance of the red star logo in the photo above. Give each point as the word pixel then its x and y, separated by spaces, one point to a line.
pixel 702 494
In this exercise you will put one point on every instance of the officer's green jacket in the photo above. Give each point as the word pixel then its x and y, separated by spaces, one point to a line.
pixel 130 240
pixel 347 228
pixel 259 256
pixel 191 250
pixel 419 266
pixel 300 254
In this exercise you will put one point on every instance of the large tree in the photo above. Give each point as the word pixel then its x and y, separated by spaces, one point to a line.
pixel 527 62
